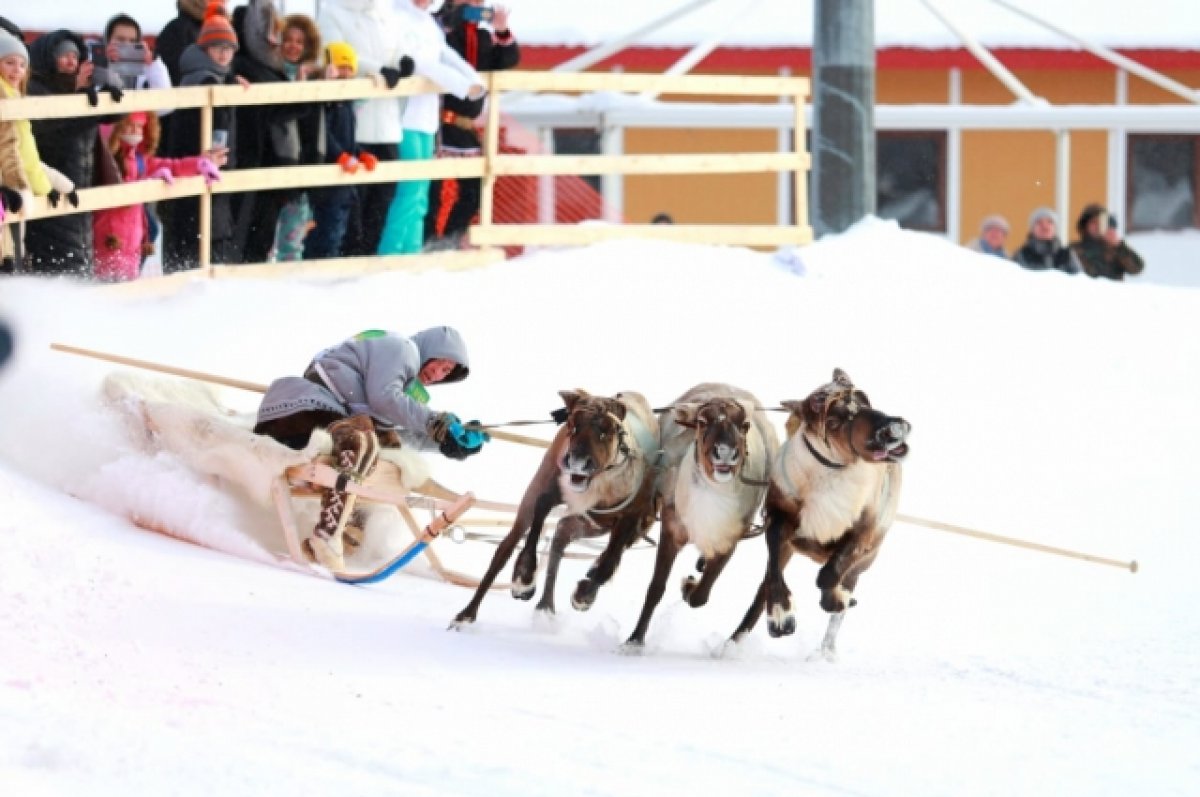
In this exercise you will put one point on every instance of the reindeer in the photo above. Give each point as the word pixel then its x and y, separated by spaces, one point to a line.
pixel 601 465
pixel 833 495
pixel 717 449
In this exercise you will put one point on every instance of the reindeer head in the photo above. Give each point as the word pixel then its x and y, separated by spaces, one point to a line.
pixel 840 416
pixel 721 426
pixel 595 437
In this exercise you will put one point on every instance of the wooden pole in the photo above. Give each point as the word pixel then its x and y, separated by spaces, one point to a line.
pixel 206 134
pixel 1131 566
pixel 253 387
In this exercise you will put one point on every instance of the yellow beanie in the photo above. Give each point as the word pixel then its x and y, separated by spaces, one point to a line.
pixel 341 54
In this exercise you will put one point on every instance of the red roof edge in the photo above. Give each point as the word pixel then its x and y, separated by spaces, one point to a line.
pixel 799 59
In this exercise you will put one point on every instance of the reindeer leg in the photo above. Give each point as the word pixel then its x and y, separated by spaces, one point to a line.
pixel 852 554
pixel 696 592
pixel 569 529
pixel 525 568
pixel 781 619
pixel 622 536
pixel 529 507
pixel 760 601
pixel 668 548
pixel 828 650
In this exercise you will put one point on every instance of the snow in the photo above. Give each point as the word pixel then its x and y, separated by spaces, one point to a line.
pixel 1046 407
pixel 753 23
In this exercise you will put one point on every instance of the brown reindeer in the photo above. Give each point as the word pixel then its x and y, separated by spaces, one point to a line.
pixel 717 449
pixel 601 464
pixel 833 495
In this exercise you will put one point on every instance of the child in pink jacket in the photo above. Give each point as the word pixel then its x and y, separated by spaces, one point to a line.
pixel 121 233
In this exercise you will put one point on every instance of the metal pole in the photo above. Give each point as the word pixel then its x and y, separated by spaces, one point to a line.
pixel 843 113
pixel 998 70
pixel 1113 57
pixel 702 50
pixel 954 170
pixel 1062 183
pixel 598 54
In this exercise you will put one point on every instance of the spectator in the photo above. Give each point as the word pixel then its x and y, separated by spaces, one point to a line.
pixel 179 34
pixel 331 204
pixel 121 234
pixel 268 135
pixel 662 217
pixel 122 40
pixel 453 202
pixel 60 65
pixel 13 179
pixel 1100 249
pixel 205 63
pixel 993 233
pixel 404 231
pixel 374 31
pixel 1042 250
pixel 300 47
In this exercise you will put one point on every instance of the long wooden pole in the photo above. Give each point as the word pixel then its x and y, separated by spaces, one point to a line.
pixel 253 387
pixel 1131 566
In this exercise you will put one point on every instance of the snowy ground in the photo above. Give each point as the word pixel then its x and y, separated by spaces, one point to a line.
pixel 1046 407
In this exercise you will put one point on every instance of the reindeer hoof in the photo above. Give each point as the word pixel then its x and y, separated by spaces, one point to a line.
pixel 836 600
pixel 823 654
pixel 632 648
pixel 522 592
pixel 687 586
pixel 585 595
pixel 461 621
pixel 783 627
pixel 546 608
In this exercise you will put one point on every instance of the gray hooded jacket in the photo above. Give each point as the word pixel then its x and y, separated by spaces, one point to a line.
pixel 368 374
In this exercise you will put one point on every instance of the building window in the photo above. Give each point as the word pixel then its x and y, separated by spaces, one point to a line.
pixel 574 141
pixel 910 175
pixel 1162 182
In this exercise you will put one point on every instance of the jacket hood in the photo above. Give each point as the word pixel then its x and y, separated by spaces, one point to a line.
pixel 195 62
pixel 257 26
pixel 41 52
pixel 445 343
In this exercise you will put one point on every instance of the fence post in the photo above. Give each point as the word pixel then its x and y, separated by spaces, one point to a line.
pixel 206 130
pixel 491 147
pixel 800 201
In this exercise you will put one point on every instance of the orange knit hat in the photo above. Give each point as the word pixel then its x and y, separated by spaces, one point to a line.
pixel 216 28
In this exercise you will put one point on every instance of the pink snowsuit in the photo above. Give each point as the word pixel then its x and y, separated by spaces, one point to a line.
pixel 119 232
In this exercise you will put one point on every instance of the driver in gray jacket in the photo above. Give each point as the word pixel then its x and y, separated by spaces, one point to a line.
pixel 369 391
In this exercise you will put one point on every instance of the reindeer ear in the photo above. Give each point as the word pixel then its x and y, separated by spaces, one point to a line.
pixel 617 408
pixel 685 414
pixel 842 378
pixel 861 398
pixel 572 397
pixel 794 407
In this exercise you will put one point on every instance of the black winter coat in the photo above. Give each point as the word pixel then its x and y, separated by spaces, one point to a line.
pixel 1099 258
pixel 63 244
pixel 1041 255
pixel 478 47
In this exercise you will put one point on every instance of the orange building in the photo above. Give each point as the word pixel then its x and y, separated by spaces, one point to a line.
pixel 944 177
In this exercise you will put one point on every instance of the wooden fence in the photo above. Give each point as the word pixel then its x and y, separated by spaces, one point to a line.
pixel 489 166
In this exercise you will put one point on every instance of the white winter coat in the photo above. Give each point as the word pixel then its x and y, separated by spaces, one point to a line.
pixel 375 32
pixel 425 42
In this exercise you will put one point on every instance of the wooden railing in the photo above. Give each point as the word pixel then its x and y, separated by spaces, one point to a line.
pixel 489 166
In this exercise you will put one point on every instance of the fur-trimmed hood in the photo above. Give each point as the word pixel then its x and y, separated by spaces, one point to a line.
pixel 312 36
pixel 258 24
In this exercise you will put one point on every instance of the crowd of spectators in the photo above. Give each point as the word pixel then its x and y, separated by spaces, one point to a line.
pixel 449 42
pixel 1099 251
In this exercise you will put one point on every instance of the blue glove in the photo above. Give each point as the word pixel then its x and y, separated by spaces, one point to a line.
pixel 470 439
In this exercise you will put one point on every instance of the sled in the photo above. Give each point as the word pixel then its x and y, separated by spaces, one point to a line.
pixel 384 486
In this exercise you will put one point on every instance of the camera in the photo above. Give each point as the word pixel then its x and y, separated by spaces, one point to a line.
pixel 478 13
pixel 130 64
pixel 125 70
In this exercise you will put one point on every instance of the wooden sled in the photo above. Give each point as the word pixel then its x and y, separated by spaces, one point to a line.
pixel 383 486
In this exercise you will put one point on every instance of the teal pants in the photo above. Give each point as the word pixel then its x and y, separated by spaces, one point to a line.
pixel 404 231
